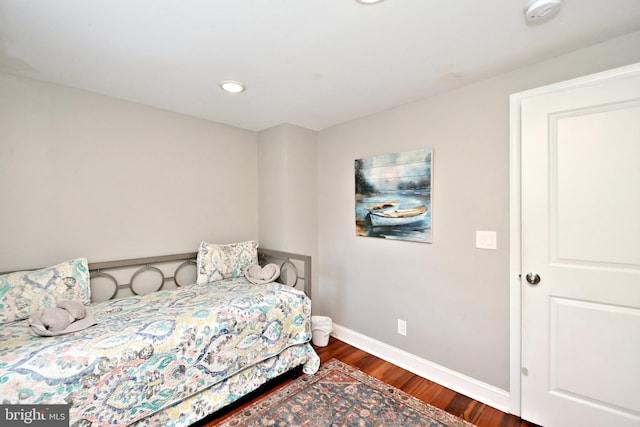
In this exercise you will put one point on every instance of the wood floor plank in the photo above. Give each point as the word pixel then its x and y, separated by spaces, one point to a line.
pixel 441 397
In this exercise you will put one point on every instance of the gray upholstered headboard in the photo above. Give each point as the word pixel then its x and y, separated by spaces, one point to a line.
pixel 115 279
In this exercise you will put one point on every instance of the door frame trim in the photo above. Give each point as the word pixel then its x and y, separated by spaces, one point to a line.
pixel 515 194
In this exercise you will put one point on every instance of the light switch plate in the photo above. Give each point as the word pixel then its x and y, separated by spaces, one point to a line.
pixel 486 240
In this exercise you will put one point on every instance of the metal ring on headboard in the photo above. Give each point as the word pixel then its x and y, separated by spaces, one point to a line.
pixel 142 270
pixel 99 273
pixel 180 267
pixel 283 268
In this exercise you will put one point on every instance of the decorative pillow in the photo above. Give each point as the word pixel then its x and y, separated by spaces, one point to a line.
pixel 24 292
pixel 219 262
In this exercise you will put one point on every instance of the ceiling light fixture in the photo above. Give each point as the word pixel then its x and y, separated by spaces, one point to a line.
pixel 232 86
pixel 368 1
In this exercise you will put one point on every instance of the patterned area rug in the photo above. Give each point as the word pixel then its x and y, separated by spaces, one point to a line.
pixel 339 395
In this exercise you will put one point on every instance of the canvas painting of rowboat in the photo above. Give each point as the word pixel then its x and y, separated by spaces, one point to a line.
pixel 393 196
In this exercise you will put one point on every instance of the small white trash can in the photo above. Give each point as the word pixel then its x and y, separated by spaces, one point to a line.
pixel 321 327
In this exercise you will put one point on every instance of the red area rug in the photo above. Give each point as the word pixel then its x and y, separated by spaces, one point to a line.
pixel 339 395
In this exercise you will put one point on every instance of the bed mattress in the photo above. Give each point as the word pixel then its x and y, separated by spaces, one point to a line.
pixel 162 355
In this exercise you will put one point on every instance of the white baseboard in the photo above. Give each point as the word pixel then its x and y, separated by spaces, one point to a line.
pixel 482 392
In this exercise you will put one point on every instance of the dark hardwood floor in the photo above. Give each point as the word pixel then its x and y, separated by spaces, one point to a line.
pixel 428 391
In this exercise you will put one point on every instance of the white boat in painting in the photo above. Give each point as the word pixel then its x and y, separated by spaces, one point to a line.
pixel 383 206
pixel 396 217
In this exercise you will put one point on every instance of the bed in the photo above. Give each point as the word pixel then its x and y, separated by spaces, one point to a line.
pixel 171 356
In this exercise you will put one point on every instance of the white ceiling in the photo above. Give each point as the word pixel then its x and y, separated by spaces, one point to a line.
pixel 312 63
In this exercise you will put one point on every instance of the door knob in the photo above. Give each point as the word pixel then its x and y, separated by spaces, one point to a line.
pixel 533 278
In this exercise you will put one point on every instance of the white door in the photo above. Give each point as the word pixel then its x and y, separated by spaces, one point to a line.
pixel 580 235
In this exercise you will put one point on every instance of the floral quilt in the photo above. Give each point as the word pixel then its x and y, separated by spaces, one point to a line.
pixel 149 355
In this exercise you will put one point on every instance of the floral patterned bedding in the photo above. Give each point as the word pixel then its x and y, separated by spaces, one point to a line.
pixel 167 358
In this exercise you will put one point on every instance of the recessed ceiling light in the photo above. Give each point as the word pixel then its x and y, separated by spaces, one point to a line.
pixel 368 1
pixel 232 86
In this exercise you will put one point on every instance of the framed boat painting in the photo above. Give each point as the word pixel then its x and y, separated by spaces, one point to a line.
pixel 393 196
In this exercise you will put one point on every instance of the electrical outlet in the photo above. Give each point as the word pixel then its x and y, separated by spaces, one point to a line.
pixel 402 327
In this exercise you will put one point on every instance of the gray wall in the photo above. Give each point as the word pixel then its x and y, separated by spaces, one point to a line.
pixel 287 174
pixel 87 175
pixel 454 297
